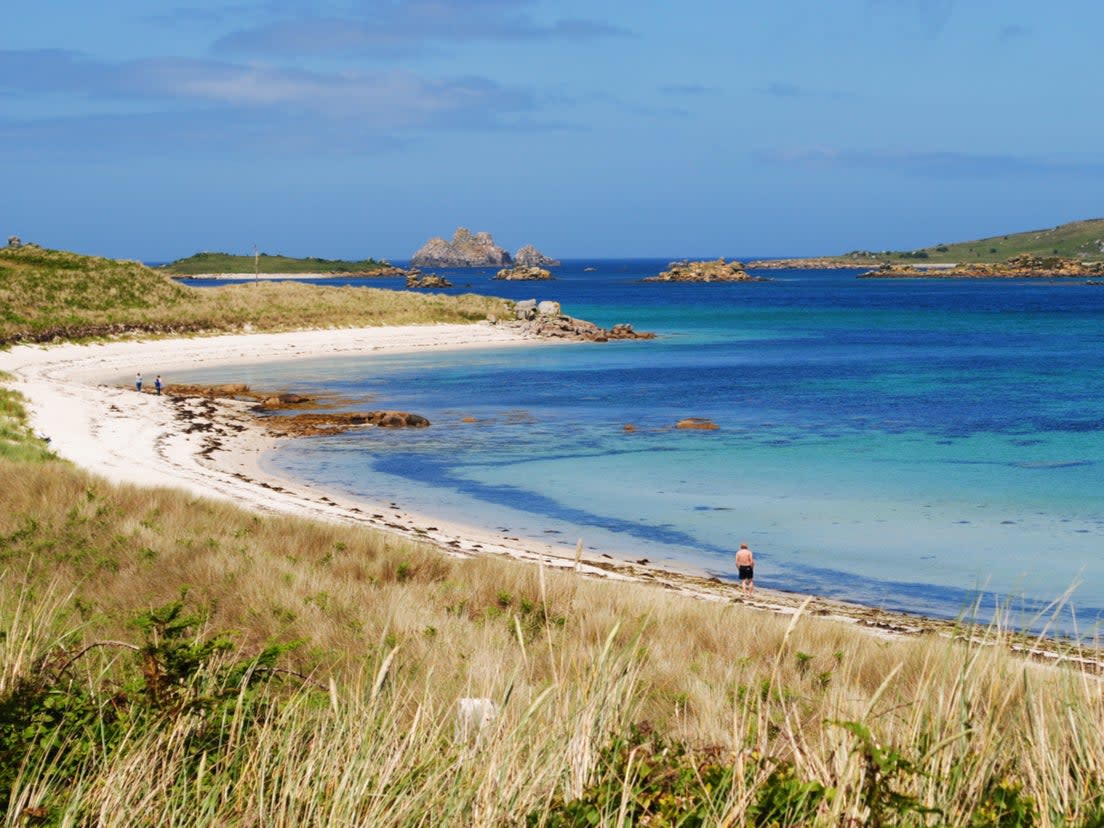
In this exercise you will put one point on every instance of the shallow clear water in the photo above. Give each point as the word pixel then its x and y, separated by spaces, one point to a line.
pixel 908 444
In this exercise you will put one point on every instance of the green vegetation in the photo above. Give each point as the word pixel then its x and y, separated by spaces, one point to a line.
pixel 1076 240
pixel 203 263
pixel 50 294
pixel 16 440
pixel 169 660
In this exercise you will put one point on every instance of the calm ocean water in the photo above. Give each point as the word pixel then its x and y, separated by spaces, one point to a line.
pixel 912 444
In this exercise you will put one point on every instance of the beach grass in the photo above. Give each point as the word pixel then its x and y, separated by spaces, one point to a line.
pixel 171 660
pixel 48 295
pixel 17 441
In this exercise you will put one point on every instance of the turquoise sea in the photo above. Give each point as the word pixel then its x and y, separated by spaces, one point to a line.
pixel 919 445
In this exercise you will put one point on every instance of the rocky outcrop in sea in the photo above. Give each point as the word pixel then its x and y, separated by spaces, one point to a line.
pixel 814 263
pixel 529 256
pixel 419 281
pixel 1024 266
pixel 465 250
pixel 521 274
pixel 715 271
pixel 546 319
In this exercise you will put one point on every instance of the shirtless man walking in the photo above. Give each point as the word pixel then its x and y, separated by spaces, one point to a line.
pixel 745 563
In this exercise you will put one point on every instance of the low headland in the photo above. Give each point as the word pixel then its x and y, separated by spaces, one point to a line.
pixel 207 265
pixel 1024 266
pixel 188 640
pixel 1081 242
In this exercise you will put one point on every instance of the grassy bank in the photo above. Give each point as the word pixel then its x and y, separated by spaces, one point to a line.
pixel 167 660
pixel 203 263
pixel 49 294
pixel 1075 240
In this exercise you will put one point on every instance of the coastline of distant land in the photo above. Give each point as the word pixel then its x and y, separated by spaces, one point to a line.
pixel 1082 241
pixel 214 265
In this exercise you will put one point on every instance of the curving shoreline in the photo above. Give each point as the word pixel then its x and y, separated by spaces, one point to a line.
pixel 215 450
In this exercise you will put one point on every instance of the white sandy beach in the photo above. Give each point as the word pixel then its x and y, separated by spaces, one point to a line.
pixel 75 400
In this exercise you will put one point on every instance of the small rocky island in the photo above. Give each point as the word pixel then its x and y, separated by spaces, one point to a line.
pixel 1023 266
pixel 416 280
pixel 465 250
pixel 469 249
pixel 707 271
pixel 520 273
pixel 529 256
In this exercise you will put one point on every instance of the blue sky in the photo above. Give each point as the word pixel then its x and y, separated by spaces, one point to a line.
pixel 363 127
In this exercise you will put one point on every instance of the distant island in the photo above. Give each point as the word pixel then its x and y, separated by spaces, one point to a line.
pixel 469 249
pixel 1081 241
pixel 205 264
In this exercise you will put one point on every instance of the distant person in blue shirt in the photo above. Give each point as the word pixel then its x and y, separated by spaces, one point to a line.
pixel 157 384
pixel 138 382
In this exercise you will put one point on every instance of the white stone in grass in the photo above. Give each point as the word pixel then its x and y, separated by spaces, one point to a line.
pixel 473 717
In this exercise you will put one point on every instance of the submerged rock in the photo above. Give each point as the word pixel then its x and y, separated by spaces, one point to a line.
pixel 697 423
pixel 315 424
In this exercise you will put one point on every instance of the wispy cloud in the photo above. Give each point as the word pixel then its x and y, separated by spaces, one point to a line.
pixel 390 98
pixel 924 17
pixel 385 29
pixel 1014 31
pixel 686 90
pixel 785 89
pixel 948 164
pixel 195 133
pixel 383 109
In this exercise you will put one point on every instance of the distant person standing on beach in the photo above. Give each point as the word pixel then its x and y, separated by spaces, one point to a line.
pixel 138 382
pixel 157 384
pixel 745 564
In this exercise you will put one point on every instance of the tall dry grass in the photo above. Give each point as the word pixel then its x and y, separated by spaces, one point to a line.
pixel 601 686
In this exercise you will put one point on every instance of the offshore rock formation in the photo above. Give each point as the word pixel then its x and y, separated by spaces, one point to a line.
pixel 545 319
pixel 465 250
pixel 529 256
pixel 517 274
pixel 306 424
pixel 1024 266
pixel 418 281
pixel 715 271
